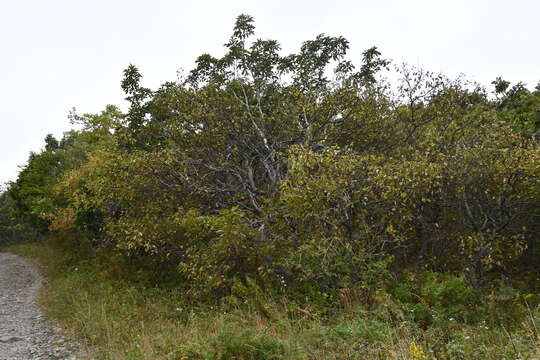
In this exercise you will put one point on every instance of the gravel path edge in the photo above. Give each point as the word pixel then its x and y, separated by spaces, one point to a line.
pixel 25 333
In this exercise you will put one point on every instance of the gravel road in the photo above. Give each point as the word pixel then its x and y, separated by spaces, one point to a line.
pixel 25 334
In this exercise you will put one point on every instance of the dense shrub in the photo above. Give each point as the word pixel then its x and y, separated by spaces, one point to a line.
pixel 12 227
pixel 260 171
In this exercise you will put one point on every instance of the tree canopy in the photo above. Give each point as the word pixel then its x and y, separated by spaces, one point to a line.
pixel 300 172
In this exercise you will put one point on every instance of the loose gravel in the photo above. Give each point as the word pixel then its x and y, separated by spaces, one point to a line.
pixel 25 333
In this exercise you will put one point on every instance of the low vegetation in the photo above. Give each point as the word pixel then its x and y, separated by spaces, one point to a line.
pixel 133 315
pixel 267 207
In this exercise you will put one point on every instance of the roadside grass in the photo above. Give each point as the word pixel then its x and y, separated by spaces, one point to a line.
pixel 120 318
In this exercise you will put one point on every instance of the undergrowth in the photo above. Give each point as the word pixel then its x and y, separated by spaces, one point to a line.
pixel 125 313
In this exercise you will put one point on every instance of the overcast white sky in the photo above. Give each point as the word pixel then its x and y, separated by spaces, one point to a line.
pixel 59 54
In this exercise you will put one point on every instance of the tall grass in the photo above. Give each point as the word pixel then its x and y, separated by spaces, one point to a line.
pixel 121 318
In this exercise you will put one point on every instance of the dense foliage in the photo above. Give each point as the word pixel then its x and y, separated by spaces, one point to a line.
pixel 301 174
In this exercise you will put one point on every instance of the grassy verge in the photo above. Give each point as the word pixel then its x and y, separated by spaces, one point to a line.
pixel 126 319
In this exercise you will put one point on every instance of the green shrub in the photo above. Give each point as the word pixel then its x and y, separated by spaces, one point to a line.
pixel 222 252
pixel 446 291
pixel 323 221
pixel 247 346
pixel 243 345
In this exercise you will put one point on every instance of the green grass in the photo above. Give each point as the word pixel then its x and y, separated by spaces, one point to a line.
pixel 120 317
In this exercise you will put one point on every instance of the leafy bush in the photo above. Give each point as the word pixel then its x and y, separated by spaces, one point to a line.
pixel 261 173
pixel 324 222
pixel 446 292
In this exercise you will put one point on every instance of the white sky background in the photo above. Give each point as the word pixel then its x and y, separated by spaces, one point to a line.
pixel 59 54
